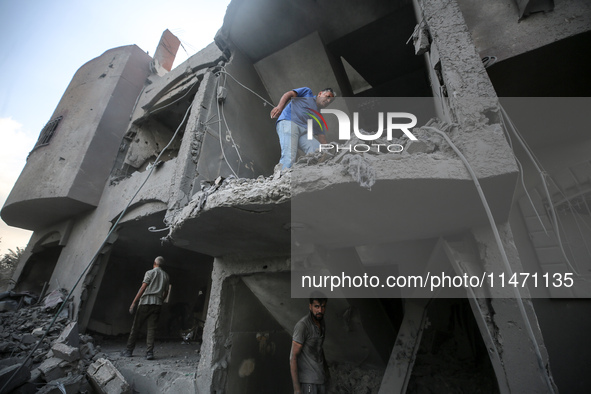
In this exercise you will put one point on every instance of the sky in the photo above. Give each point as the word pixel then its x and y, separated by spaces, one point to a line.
pixel 42 45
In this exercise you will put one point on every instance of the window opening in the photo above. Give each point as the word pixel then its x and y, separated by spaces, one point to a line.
pixel 47 132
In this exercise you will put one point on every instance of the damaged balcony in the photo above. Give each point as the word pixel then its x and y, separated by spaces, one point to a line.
pixel 426 183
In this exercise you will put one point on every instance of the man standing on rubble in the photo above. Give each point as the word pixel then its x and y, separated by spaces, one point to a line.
pixel 150 296
pixel 292 122
pixel 309 370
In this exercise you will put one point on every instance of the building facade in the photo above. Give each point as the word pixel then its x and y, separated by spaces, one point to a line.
pixel 138 162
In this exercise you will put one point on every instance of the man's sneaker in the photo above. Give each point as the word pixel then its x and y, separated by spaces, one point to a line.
pixel 127 353
pixel 150 356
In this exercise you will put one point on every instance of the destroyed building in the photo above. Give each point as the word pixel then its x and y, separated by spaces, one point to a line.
pixel 139 160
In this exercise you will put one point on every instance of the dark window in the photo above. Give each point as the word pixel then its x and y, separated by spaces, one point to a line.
pixel 47 132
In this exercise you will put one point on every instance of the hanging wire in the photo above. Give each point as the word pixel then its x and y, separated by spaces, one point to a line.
pixel 543 175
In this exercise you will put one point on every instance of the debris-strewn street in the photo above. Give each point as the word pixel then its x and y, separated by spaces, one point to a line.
pixel 67 360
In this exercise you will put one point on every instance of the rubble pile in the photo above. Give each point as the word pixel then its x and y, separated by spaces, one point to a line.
pixel 37 358
pixel 346 378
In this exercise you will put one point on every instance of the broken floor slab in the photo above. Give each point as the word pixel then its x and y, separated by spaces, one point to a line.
pixel 256 216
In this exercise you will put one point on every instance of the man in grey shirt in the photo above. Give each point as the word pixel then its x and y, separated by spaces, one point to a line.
pixel 150 296
pixel 309 371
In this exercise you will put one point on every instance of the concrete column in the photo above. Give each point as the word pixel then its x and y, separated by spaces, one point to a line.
pixel 457 73
pixel 506 323
pixel 407 344
pixel 215 350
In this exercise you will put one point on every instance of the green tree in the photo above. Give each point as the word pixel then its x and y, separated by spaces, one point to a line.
pixel 10 259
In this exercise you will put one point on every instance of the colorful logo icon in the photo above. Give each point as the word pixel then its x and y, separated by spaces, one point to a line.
pixel 317 117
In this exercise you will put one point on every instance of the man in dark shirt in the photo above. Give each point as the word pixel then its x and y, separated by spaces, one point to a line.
pixel 309 371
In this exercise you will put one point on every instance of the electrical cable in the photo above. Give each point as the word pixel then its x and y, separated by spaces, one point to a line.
pixel 220 134
pixel 228 128
pixel 576 216
pixel 542 174
pixel 521 175
pixel 223 70
pixel 504 257
pixel 96 255
pixel 230 134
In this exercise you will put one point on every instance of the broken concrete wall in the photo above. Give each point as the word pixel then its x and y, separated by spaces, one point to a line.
pixel 497 31
pixel 159 112
pixel 247 133
pixel 259 346
pixel 520 53
pixel 162 90
pixel 216 362
pixel 303 63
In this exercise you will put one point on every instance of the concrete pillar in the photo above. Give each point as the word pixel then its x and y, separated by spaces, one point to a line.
pixel 507 325
pixel 457 75
pixel 215 351
pixel 407 344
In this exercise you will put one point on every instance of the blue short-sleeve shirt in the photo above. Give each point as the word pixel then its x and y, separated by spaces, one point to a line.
pixel 298 108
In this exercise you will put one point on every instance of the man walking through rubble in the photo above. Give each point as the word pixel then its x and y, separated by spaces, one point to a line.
pixel 150 296
pixel 309 370
pixel 292 122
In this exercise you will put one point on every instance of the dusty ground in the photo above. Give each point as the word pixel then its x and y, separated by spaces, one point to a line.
pixel 172 371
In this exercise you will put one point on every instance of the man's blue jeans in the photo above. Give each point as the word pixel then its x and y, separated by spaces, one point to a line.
pixel 292 137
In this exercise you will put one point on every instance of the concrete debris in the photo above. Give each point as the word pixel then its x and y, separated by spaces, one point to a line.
pixel 69 335
pixel 9 305
pixel 381 149
pixel 106 379
pixel 315 158
pixel 54 299
pixel 347 378
pixel 421 39
pixel 420 147
pixel 57 364
pixel 68 385
pixel 208 188
pixel 15 376
pixel 360 169
pixel 65 352
pixel 10 300
pixel 53 368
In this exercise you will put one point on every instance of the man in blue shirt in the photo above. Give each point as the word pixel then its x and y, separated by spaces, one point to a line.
pixel 292 122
